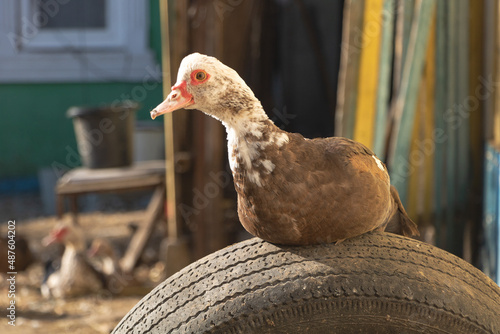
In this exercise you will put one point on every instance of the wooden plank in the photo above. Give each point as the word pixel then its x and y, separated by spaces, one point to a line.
pixel 403 27
pixel 347 90
pixel 407 95
pixel 463 126
pixel 451 115
pixel 384 78
pixel 142 235
pixel 476 108
pixel 179 34
pixel 496 111
pixel 340 112
pixel 489 61
pixel 405 12
pixel 111 185
pixel 428 146
pixel 416 158
pixel 369 65
pixel 461 214
pixel 476 62
pixel 172 219
pixel 422 149
pixel 491 216
pixel 81 180
pixel 440 132
pixel 497 220
pixel 496 149
pixel 217 33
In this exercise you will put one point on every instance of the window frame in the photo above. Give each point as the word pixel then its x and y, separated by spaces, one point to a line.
pixel 111 36
pixel 30 54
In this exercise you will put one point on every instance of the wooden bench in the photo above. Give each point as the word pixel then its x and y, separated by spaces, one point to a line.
pixel 142 175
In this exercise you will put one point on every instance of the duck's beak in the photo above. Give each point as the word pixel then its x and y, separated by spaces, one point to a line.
pixel 49 240
pixel 178 98
pixel 92 252
pixel 55 236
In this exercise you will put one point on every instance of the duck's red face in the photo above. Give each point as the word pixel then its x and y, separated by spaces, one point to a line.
pixel 57 235
pixel 180 97
pixel 206 84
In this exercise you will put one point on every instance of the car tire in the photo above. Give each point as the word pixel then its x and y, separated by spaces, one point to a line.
pixel 375 283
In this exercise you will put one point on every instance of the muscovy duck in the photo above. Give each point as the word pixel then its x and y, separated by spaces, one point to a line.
pixel 291 190
pixel 75 276
pixel 103 252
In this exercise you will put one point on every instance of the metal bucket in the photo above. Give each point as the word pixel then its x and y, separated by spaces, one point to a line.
pixel 105 134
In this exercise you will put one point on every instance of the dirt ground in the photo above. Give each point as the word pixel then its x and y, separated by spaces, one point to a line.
pixel 98 313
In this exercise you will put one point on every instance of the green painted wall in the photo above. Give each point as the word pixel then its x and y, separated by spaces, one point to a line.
pixel 34 129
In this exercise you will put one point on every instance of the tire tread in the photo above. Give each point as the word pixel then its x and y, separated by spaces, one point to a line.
pixel 255 273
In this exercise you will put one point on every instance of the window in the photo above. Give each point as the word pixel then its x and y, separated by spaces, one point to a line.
pixel 76 14
pixel 74 41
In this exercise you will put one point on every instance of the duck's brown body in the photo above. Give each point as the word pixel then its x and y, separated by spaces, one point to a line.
pixel 291 190
pixel 319 191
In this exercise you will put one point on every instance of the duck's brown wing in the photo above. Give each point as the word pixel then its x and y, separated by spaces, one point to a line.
pixel 322 190
pixel 360 158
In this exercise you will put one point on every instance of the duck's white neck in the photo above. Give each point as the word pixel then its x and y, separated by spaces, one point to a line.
pixel 245 126
pixel 247 139
pixel 69 258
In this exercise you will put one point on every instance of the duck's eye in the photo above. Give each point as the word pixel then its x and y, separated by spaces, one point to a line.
pixel 200 76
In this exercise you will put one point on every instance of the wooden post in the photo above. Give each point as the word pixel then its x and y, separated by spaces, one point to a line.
pixel 403 28
pixel 476 57
pixel 174 250
pixel 347 90
pixel 463 191
pixel 384 78
pixel 369 72
pixel 451 113
pixel 141 237
pixel 490 255
pixel 439 107
pixel 407 95
pixel 496 114
pixel 429 87
pixel 209 144
pixel 172 225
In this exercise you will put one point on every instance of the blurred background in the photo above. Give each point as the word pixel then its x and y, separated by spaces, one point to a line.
pixel 415 80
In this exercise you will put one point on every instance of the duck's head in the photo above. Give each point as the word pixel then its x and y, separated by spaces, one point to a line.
pixel 100 248
pixel 57 235
pixel 206 84
pixel 65 233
